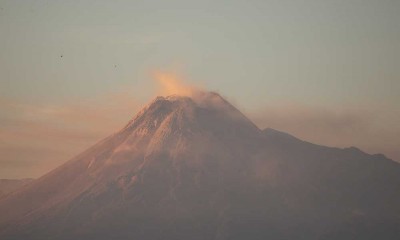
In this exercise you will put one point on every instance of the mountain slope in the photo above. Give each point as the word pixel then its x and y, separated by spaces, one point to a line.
pixel 7 186
pixel 197 168
pixel 351 193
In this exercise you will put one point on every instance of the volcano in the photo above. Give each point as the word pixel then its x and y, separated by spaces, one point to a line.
pixel 196 168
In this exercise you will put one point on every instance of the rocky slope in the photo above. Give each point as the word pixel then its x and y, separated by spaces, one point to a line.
pixel 197 168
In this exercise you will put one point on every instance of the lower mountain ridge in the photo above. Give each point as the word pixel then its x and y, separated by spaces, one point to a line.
pixel 197 168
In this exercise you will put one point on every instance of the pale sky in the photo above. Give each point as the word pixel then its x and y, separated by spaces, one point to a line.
pixel 72 72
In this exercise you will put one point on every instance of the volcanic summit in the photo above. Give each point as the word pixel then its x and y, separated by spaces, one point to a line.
pixel 194 167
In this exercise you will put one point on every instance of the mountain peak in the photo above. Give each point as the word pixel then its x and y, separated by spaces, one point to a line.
pixel 201 98
pixel 198 106
pixel 194 165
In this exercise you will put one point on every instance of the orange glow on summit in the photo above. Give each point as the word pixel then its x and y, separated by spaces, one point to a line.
pixel 170 83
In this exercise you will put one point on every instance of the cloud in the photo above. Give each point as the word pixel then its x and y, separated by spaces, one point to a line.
pixel 34 138
pixel 372 130
pixel 169 83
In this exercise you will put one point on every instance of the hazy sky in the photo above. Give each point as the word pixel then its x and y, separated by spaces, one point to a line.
pixel 71 72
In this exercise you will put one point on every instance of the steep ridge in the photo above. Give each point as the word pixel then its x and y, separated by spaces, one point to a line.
pixel 196 168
